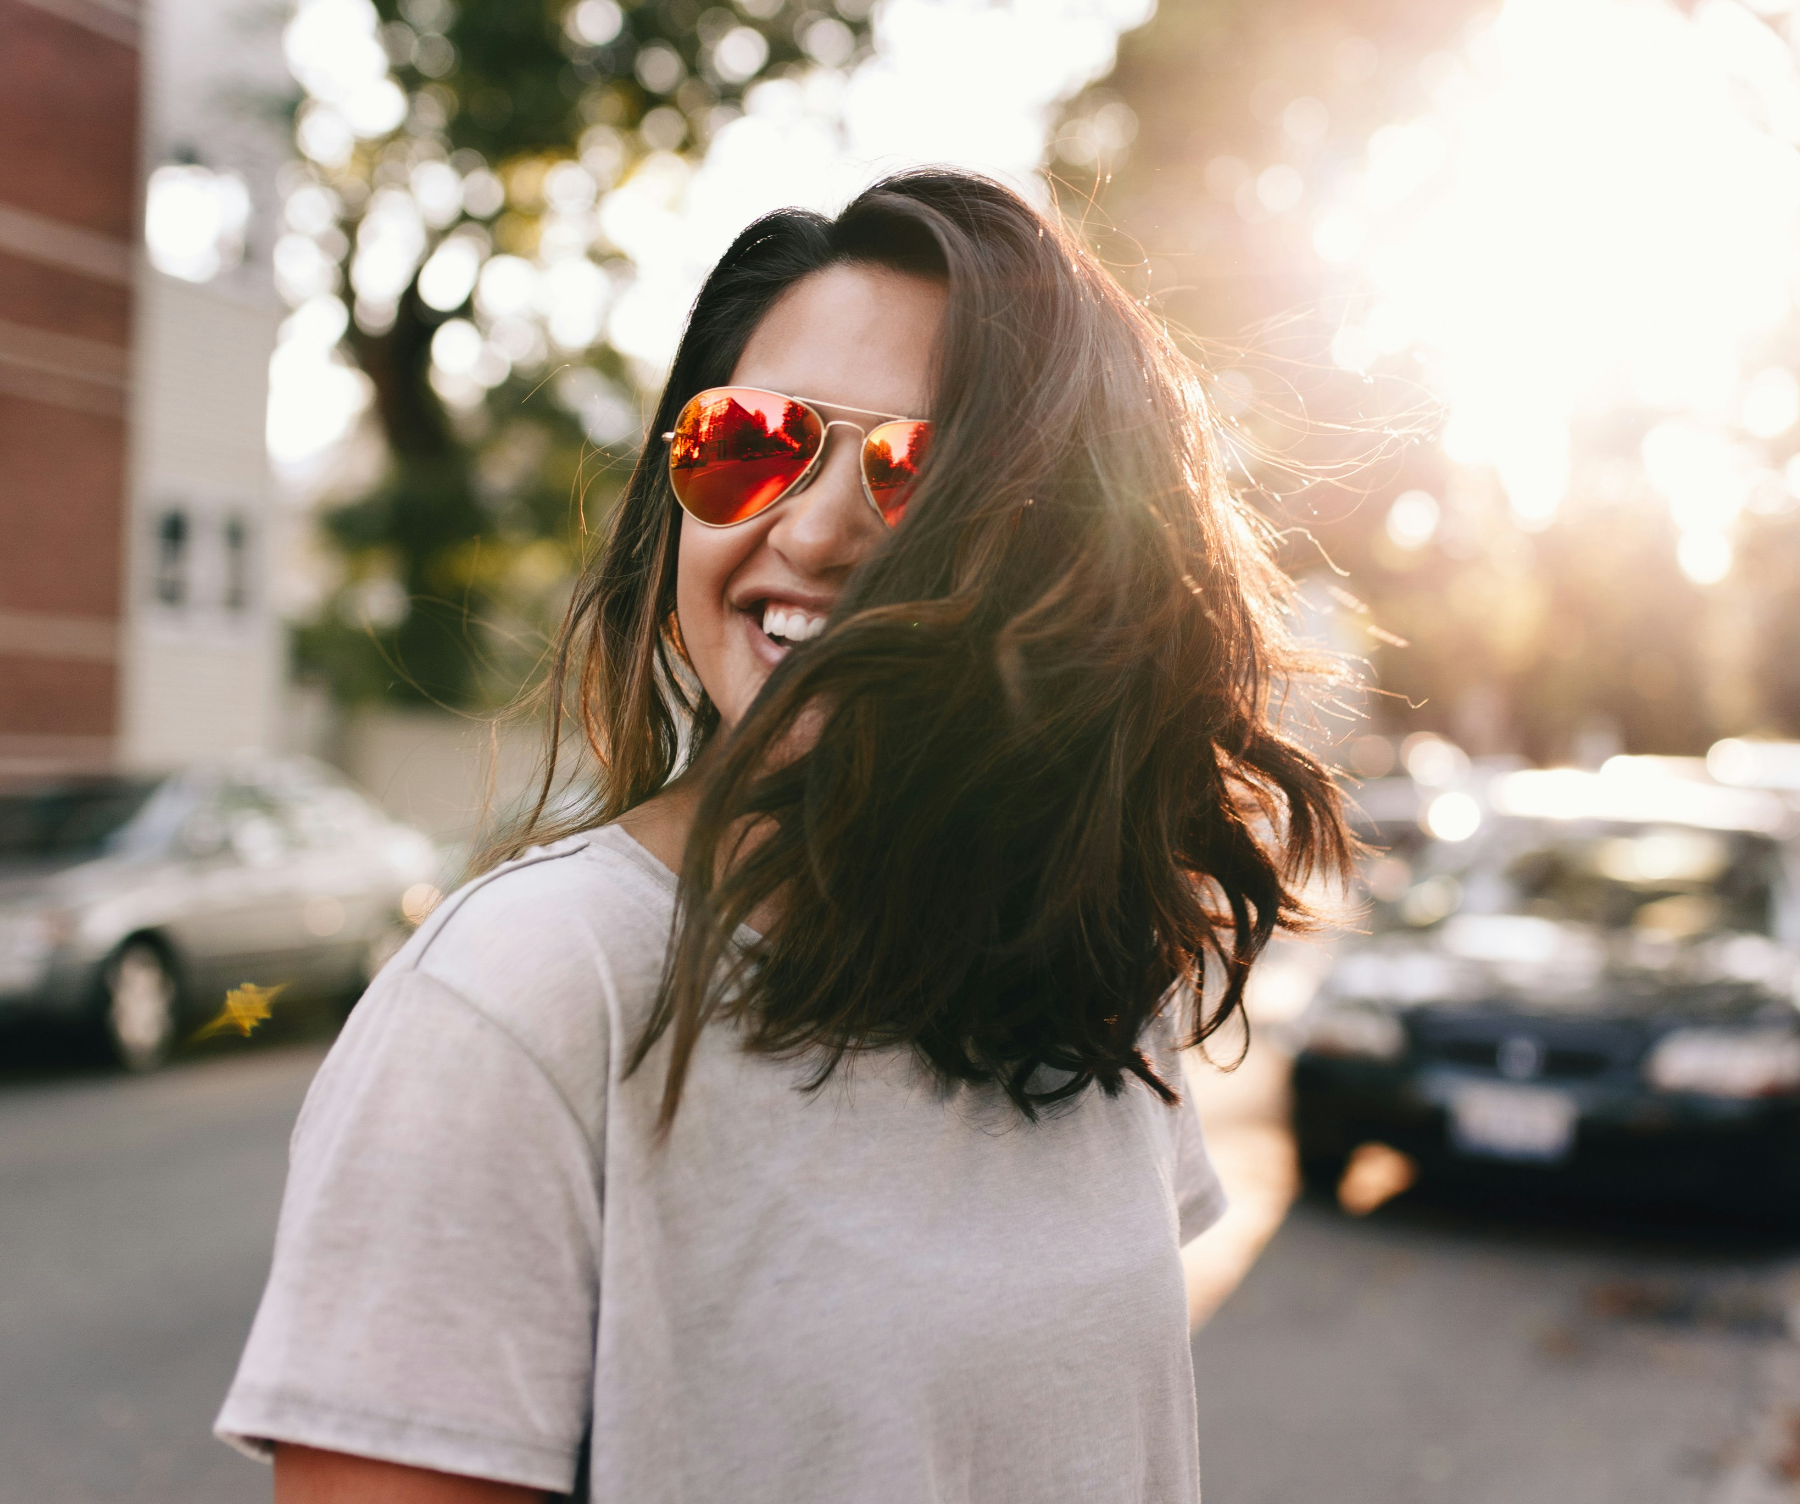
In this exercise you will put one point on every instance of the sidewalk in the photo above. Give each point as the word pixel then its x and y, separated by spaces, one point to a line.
pixel 1767 1467
pixel 1244 1113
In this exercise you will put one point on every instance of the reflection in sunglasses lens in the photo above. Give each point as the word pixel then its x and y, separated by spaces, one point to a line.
pixel 892 457
pixel 736 452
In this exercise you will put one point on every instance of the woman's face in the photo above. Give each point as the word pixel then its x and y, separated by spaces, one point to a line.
pixel 846 337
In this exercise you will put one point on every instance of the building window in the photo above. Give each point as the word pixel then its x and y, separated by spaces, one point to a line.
pixel 170 583
pixel 237 564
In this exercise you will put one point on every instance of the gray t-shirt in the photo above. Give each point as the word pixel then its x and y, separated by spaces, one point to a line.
pixel 887 1290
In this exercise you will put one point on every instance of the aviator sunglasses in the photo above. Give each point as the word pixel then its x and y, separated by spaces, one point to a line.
pixel 737 450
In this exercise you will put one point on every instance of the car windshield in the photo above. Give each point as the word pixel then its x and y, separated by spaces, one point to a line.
pixel 68 819
pixel 1676 881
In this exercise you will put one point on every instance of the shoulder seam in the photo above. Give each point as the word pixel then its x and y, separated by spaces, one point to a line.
pixel 451 990
pixel 463 895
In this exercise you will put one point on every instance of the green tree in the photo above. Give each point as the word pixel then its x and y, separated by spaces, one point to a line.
pixel 501 456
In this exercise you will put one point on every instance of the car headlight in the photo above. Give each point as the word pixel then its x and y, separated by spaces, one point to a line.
pixel 28 937
pixel 1363 1033
pixel 1726 1062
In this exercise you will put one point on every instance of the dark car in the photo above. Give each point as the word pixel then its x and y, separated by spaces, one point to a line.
pixel 129 905
pixel 1594 988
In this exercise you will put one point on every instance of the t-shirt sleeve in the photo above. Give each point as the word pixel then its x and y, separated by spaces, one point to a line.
pixel 434 1287
pixel 1199 1198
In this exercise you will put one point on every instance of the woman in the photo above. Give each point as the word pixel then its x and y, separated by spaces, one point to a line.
pixel 929 649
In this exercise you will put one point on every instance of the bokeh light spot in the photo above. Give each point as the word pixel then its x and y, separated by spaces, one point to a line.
pixel 1704 556
pixel 1412 520
pixel 194 221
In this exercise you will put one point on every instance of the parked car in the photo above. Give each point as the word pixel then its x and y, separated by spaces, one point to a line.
pixel 1596 987
pixel 129 905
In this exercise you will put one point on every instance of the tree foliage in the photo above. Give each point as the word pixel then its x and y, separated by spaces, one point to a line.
pixel 1509 638
pixel 519 116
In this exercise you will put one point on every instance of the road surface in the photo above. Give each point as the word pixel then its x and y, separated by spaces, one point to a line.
pixel 1422 1353
pixel 135 1222
pixel 1427 1354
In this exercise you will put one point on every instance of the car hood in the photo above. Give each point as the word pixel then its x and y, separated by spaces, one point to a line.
pixel 1518 963
pixel 65 883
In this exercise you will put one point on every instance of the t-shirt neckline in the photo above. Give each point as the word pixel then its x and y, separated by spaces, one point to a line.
pixel 640 855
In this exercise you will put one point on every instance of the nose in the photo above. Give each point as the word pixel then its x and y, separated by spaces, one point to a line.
pixel 824 529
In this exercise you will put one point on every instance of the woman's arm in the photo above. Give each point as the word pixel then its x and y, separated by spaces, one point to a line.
pixel 305 1475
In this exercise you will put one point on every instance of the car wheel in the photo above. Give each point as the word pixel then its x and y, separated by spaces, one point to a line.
pixel 139 1006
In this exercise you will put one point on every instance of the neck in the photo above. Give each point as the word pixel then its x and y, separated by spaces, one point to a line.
pixel 661 823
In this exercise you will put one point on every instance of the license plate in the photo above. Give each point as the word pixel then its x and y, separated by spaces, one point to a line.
pixel 1512 1122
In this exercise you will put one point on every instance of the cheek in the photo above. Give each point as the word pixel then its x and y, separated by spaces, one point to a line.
pixel 708 560
pixel 698 587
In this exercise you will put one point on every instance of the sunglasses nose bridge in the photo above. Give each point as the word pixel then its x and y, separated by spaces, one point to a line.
pixel 855 428
pixel 818 463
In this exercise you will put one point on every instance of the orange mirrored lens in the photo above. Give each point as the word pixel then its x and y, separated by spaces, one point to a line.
pixel 892 457
pixel 736 451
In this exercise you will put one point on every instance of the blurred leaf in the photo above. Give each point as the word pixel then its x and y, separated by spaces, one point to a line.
pixel 245 1007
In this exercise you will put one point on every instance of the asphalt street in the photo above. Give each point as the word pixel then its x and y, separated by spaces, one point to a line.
pixel 1426 1352
pixel 135 1223
pixel 1437 1353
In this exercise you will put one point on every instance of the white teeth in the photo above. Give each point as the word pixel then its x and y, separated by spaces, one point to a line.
pixel 791 626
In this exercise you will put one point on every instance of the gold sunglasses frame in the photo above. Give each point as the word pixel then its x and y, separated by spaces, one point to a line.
pixel 804 478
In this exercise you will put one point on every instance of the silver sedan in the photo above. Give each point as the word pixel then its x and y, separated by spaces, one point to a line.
pixel 130 905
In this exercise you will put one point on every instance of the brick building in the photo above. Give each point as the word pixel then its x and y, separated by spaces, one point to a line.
pixel 70 103
pixel 135 497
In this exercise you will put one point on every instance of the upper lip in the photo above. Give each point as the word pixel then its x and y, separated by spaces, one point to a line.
pixel 759 595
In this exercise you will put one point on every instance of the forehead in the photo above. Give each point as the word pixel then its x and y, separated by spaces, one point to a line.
pixel 860 336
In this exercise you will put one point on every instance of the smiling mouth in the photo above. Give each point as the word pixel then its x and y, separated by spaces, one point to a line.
pixel 786 626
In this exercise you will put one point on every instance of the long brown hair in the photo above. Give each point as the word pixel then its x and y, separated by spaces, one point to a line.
pixel 1029 780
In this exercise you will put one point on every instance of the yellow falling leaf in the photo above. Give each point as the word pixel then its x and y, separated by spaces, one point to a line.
pixel 245 1008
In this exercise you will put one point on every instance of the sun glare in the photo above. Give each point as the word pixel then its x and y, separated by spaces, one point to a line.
pixel 1598 213
pixel 947 81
